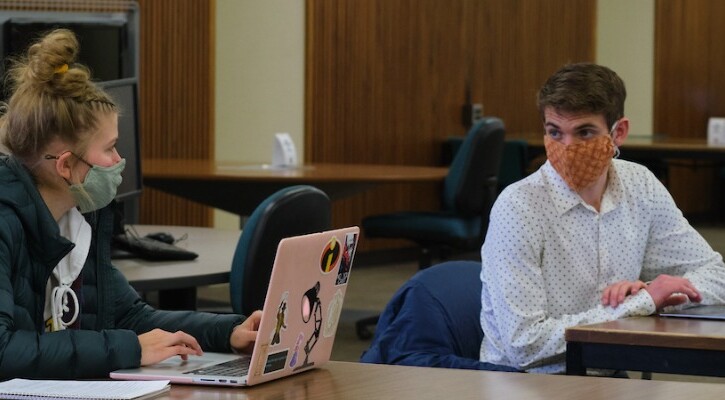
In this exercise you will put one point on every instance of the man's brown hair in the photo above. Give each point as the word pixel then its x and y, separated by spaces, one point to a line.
pixel 584 88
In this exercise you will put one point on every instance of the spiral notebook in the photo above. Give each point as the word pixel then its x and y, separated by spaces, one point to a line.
pixel 104 390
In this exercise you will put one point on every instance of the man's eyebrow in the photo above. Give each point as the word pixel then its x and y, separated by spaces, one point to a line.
pixel 587 125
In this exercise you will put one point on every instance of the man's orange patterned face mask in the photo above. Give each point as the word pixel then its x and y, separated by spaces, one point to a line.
pixel 580 164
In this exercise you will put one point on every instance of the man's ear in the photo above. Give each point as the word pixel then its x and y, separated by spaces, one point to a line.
pixel 621 131
pixel 63 165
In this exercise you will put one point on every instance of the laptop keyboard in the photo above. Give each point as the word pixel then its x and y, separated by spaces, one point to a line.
pixel 237 367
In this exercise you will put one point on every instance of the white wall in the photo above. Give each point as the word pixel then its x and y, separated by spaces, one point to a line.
pixel 625 43
pixel 260 50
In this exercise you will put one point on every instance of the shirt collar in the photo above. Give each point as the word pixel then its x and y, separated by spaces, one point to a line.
pixel 614 192
pixel 564 198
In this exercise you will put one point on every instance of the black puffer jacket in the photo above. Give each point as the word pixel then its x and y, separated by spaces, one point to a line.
pixel 112 314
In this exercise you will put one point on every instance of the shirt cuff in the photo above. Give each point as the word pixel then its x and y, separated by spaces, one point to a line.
pixel 638 305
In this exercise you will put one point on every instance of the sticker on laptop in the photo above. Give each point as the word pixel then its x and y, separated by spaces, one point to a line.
pixel 296 352
pixel 275 361
pixel 312 317
pixel 330 255
pixel 281 324
pixel 348 252
pixel 333 314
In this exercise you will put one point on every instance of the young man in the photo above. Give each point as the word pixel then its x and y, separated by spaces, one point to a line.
pixel 574 242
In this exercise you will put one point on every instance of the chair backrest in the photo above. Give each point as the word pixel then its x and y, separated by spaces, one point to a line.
pixel 292 211
pixel 471 184
pixel 513 163
pixel 433 320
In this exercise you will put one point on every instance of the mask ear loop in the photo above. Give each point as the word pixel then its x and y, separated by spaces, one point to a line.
pixel 611 133
pixel 56 158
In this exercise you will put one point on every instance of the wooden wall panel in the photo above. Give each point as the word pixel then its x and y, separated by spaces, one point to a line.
pixel 386 80
pixel 177 107
pixel 689 88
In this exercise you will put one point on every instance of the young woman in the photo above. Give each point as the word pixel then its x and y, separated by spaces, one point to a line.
pixel 65 311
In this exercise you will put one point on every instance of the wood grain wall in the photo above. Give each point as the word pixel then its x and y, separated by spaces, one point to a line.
pixel 386 80
pixel 177 97
pixel 689 88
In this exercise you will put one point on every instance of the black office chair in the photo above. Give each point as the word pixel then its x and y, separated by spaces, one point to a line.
pixel 513 163
pixel 292 211
pixel 469 191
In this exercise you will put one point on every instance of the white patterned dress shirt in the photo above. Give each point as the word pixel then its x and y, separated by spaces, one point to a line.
pixel 548 256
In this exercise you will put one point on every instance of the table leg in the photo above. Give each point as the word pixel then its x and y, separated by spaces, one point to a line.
pixel 574 359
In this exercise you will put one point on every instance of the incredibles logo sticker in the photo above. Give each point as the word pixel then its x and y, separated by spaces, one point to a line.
pixel 330 255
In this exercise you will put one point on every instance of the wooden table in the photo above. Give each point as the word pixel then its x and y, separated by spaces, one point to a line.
pixel 239 188
pixel 650 344
pixel 644 147
pixel 353 381
pixel 177 281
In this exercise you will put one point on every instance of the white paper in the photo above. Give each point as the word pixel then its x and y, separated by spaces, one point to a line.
pixel 124 390
pixel 284 153
pixel 716 131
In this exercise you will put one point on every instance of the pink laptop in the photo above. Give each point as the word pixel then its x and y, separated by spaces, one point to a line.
pixel 299 320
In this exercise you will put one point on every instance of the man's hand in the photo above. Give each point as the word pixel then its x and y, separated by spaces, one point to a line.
pixel 244 334
pixel 615 293
pixel 669 290
pixel 158 345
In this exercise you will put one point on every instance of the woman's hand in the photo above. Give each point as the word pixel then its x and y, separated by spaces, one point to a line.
pixel 244 334
pixel 158 345
pixel 669 290
pixel 615 293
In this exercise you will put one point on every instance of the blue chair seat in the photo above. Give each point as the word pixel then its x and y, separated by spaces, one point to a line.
pixel 433 321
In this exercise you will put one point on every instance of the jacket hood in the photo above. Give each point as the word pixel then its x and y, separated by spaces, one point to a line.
pixel 19 193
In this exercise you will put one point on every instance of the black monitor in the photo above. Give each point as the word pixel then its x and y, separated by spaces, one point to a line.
pixel 125 94
pixel 102 43
pixel 108 40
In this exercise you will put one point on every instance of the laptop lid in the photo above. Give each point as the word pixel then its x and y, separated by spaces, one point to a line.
pixel 299 320
pixel 716 312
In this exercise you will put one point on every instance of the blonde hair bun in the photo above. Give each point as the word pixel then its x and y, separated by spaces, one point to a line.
pixel 52 97
pixel 49 66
